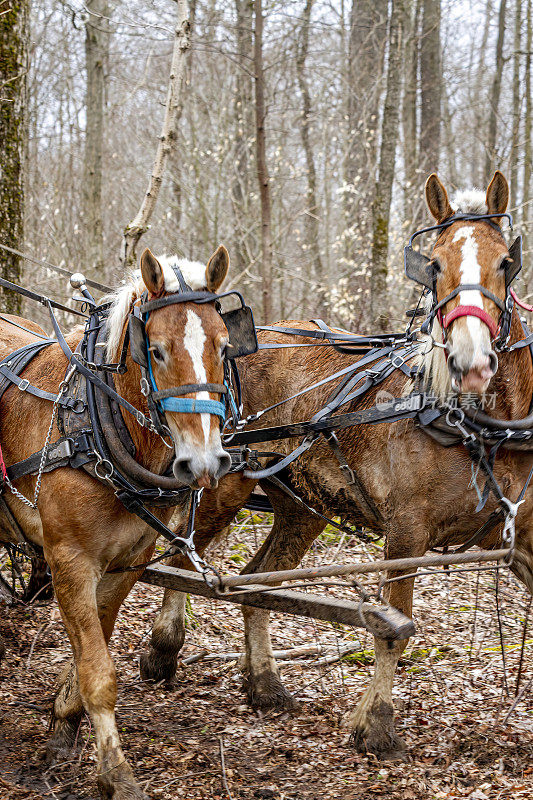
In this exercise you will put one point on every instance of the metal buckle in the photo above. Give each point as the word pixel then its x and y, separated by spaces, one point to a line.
pixel 63 450
pixel 349 476
pixel 23 385
pixel 397 361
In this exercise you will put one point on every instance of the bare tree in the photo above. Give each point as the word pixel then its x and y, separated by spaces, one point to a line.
pixel 409 107
pixel 262 168
pixel 311 218
pixel 244 135
pixel 13 135
pixel 491 153
pixel 385 178
pixel 366 47
pixel 430 87
pixel 528 120
pixel 97 36
pixel 513 166
pixel 139 224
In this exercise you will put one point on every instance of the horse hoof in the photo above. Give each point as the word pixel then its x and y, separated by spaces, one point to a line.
pixel 374 732
pixel 119 784
pixel 62 742
pixel 156 666
pixel 266 692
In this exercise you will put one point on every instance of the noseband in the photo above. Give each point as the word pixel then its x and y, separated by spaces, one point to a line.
pixel 420 268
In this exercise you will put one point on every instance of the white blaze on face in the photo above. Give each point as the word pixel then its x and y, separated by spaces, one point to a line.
pixel 194 341
pixel 470 273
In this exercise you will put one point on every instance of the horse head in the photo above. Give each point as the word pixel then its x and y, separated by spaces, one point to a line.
pixel 471 270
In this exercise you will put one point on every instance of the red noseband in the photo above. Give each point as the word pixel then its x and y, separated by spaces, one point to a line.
pixel 470 311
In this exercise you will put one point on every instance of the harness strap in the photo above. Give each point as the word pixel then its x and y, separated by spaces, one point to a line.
pixel 352 478
pixel 24 385
pixel 279 465
pixel 68 451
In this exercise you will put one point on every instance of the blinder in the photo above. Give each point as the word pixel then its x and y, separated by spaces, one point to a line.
pixel 137 337
pixel 240 325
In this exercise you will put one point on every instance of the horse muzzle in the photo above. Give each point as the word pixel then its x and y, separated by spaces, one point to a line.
pixel 201 469
pixel 472 375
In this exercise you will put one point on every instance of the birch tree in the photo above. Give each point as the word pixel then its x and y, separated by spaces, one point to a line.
pixel 13 70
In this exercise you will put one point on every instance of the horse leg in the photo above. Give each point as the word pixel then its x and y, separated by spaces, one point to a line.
pixel 372 721
pixel 213 517
pixel 89 615
pixel 40 583
pixel 293 532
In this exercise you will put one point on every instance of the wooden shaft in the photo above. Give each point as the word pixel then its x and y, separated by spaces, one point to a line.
pixel 332 570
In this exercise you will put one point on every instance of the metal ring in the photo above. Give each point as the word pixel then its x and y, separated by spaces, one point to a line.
pixel 104 461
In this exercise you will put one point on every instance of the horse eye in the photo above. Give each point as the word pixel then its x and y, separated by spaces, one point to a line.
pixel 157 354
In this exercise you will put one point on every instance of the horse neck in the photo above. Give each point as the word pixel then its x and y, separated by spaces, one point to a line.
pixel 513 382
pixel 152 453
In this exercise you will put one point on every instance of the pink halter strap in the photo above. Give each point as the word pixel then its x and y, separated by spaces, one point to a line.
pixel 470 311
pixel 520 303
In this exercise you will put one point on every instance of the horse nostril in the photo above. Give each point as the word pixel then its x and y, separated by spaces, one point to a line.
pixel 452 365
pixel 182 470
pixel 493 362
pixel 224 465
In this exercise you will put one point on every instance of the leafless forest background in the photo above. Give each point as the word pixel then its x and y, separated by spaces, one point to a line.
pixel 362 100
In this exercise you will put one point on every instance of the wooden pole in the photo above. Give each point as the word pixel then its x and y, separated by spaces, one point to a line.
pixel 333 570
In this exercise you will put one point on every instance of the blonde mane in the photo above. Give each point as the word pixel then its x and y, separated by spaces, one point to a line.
pixel 122 300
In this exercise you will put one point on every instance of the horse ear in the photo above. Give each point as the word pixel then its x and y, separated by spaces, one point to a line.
pixel 437 199
pixel 217 269
pixel 497 194
pixel 152 272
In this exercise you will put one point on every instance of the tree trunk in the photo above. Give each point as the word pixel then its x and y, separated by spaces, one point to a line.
pixel 513 167
pixel 13 136
pixel 491 155
pixel 97 35
pixel 262 168
pixel 366 48
pixel 476 175
pixel 528 120
pixel 241 189
pixel 311 219
pixel 175 160
pixel 430 88
pixel 387 158
pixel 409 113
pixel 139 225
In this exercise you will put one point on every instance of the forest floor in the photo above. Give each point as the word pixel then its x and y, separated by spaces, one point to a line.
pixel 450 698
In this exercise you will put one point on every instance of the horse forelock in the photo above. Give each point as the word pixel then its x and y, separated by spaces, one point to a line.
pixel 469 201
pixel 194 273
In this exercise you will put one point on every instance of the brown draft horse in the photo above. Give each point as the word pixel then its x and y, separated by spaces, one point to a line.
pixel 82 527
pixel 421 490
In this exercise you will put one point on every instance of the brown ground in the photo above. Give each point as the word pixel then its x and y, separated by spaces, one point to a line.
pixel 449 695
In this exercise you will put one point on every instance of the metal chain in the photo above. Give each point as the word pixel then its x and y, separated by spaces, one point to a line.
pixel 44 454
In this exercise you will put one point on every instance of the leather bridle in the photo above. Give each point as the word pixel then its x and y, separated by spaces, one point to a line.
pixel 421 268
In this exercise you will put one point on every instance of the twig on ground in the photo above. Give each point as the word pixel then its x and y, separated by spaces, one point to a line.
pixel 223 765
pixel 520 695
